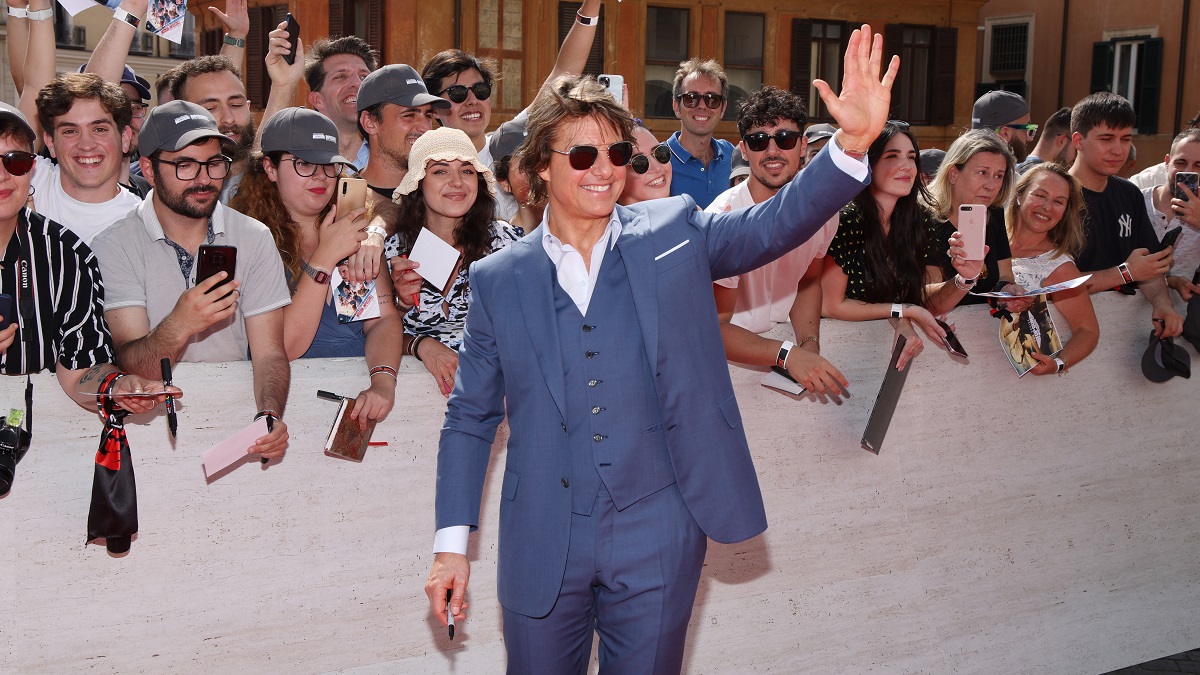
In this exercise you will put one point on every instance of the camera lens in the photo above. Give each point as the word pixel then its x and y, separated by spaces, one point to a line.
pixel 8 456
pixel 219 258
pixel 604 81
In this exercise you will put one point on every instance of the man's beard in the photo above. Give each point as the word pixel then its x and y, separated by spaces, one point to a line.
pixel 177 201
pixel 1020 148
pixel 245 141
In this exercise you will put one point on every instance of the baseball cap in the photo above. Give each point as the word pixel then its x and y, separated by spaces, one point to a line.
pixel 134 80
pixel 997 108
pixel 818 132
pixel 738 164
pixel 1164 359
pixel 7 110
pixel 305 133
pixel 506 140
pixel 931 160
pixel 176 125
pixel 396 83
pixel 443 144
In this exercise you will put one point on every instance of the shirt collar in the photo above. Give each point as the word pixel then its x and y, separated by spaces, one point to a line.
pixel 684 156
pixel 554 246
pixel 154 229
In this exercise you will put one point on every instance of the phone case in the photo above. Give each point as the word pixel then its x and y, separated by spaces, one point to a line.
pixel 972 225
pixel 213 259
pixel 293 30
pixel 351 195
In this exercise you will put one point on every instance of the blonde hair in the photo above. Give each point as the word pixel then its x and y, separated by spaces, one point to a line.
pixel 1069 235
pixel 961 151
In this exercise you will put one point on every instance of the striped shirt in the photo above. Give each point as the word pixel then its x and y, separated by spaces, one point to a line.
pixel 68 309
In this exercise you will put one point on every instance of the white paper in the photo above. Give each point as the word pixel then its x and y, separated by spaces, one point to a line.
pixel 74 7
pixel 774 380
pixel 1065 285
pixel 233 449
pixel 437 258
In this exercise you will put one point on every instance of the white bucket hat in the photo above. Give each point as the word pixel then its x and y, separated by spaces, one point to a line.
pixel 441 145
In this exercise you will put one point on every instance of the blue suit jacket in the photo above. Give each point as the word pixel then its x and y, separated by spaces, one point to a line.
pixel 510 356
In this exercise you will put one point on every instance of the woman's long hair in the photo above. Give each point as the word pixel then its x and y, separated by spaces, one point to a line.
pixel 473 233
pixel 895 262
pixel 939 190
pixel 1069 235
pixel 258 197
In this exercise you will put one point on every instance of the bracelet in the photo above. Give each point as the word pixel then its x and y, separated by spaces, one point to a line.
pixel 784 350
pixel 40 15
pixel 18 12
pixel 964 284
pixel 124 16
pixel 854 154
pixel 587 20
pixel 386 370
pixel 1123 268
pixel 813 339
pixel 897 310
pixel 266 413
pixel 375 229
pixel 1062 366
pixel 412 347
pixel 233 42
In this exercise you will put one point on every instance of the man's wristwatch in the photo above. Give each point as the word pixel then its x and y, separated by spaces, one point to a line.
pixel 233 42
pixel 319 276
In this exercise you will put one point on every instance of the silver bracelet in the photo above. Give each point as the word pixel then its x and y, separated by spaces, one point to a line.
pixel 964 284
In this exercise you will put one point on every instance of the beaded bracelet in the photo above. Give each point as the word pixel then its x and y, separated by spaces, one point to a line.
pixel 386 370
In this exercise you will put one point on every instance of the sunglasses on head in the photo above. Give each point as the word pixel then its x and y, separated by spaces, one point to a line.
pixel 18 162
pixel 641 163
pixel 691 100
pixel 784 140
pixel 458 93
pixel 582 157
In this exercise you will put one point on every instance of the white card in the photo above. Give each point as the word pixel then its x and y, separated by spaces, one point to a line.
pixel 233 449
pixel 774 380
pixel 437 258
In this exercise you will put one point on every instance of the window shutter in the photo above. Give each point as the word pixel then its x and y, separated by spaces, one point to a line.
pixel 1103 54
pixel 893 38
pixel 945 53
pixel 1149 85
pixel 566 18
pixel 374 34
pixel 801 78
pixel 256 44
pixel 337 15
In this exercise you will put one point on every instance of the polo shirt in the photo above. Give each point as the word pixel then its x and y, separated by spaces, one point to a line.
pixel 689 176
pixel 141 269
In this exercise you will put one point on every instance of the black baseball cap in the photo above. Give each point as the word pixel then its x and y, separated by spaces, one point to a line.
pixel 129 77
pixel 1164 359
pixel 176 125
pixel 397 83
pixel 305 133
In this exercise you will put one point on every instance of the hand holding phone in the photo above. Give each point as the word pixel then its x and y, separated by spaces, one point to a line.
pixel 351 195
pixel 293 33
pixel 1188 179
pixel 213 259
pixel 614 84
pixel 1170 237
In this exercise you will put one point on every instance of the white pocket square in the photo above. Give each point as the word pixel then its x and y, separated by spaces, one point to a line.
pixel 671 250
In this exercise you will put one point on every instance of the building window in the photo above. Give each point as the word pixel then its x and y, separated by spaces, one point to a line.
pixel 263 20
pixel 924 89
pixel 1010 50
pixel 500 25
pixel 743 56
pixel 67 34
pixel 1131 67
pixel 818 48
pixel 666 48
pixel 363 18
pixel 566 19
pixel 186 49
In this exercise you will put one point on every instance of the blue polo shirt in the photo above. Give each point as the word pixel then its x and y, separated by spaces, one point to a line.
pixel 689 176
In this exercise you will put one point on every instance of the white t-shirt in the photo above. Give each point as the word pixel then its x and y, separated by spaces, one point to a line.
pixel 85 220
pixel 765 295
pixel 1186 255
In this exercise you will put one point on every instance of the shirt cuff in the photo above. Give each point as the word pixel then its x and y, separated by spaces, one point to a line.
pixel 451 539
pixel 856 168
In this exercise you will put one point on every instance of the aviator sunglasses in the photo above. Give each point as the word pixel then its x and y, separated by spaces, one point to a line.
pixel 641 163
pixel 582 157
pixel 18 162
pixel 785 140
pixel 458 93
pixel 691 100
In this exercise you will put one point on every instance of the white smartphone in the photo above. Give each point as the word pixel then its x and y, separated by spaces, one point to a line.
pixel 972 225
pixel 615 85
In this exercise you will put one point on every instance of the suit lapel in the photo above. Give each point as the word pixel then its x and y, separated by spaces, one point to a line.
pixel 535 273
pixel 637 252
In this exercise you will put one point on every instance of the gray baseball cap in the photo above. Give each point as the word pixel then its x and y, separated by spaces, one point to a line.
pixel 305 133
pixel 819 132
pixel 397 83
pixel 737 164
pixel 7 110
pixel 997 108
pixel 176 125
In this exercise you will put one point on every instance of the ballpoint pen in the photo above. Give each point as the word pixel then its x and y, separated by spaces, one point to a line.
pixel 172 420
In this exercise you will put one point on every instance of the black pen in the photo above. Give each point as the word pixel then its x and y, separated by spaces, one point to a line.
pixel 270 428
pixel 330 396
pixel 449 615
pixel 172 420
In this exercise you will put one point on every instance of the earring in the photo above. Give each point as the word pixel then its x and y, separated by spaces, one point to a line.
pixel 32 189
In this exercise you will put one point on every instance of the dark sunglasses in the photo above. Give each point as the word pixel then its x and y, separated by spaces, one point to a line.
pixel 759 140
pixel 691 100
pixel 458 92
pixel 18 162
pixel 582 157
pixel 641 163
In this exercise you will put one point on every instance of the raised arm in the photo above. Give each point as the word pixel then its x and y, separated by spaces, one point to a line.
pixel 573 55
pixel 861 109
pixel 236 20
pixel 284 78
pixel 108 60
pixel 37 69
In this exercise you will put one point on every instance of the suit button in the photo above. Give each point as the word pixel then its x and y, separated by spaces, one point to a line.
pixel 587 328
pixel 596 410
pixel 592 383
pixel 565 483
pixel 590 354
pixel 598 437
pixel 564 427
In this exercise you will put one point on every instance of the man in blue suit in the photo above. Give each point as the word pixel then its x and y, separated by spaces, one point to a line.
pixel 598 335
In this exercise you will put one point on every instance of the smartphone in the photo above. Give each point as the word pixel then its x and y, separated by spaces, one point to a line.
pixel 293 33
pixel 951 340
pixel 7 315
pixel 1170 237
pixel 213 259
pixel 351 194
pixel 972 225
pixel 1189 178
pixel 615 84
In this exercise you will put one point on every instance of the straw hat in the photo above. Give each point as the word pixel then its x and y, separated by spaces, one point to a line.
pixel 442 145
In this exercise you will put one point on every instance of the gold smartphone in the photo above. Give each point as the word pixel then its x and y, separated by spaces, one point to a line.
pixel 351 194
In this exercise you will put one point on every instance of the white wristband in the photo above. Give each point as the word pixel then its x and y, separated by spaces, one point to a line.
pixel 40 15
pixel 897 310
pixel 125 17
pixel 18 12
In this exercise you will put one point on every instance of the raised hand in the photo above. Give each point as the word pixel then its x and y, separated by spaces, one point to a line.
pixel 862 107
pixel 237 21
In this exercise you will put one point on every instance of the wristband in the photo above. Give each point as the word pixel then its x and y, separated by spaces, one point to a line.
pixel 1123 268
pixel 375 229
pixel 233 42
pixel 897 310
pixel 121 15
pixel 412 346
pixel 587 20
pixel 964 284
pixel 18 12
pixel 386 370
pixel 266 413
pixel 784 350
pixel 40 15
pixel 1062 365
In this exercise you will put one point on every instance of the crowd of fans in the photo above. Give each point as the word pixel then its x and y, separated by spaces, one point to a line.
pixel 106 202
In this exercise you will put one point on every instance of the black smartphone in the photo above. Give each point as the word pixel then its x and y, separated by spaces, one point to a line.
pixel 1170 237
pixel 293 32
pixel 951 340
pixel 7 315
pixel 213 259
pixel 1189 178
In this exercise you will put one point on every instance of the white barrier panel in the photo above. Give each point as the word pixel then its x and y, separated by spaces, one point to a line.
pixel 1049 524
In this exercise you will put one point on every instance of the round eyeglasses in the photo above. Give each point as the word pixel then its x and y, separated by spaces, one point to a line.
pixel 640 163
pixel 458 93
pixel 306 169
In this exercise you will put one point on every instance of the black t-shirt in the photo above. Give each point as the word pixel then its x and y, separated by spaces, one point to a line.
pixel 996 238
pixel 1115 224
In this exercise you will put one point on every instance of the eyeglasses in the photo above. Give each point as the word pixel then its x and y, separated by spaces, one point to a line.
pixel 458 92
pixel 139 109
pixel 305 169
pixel 18 162
pixel 1030 129
pixel 582 157
pixel 189 169
pixel 785 140
pixel 691 100
pixel 640 163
